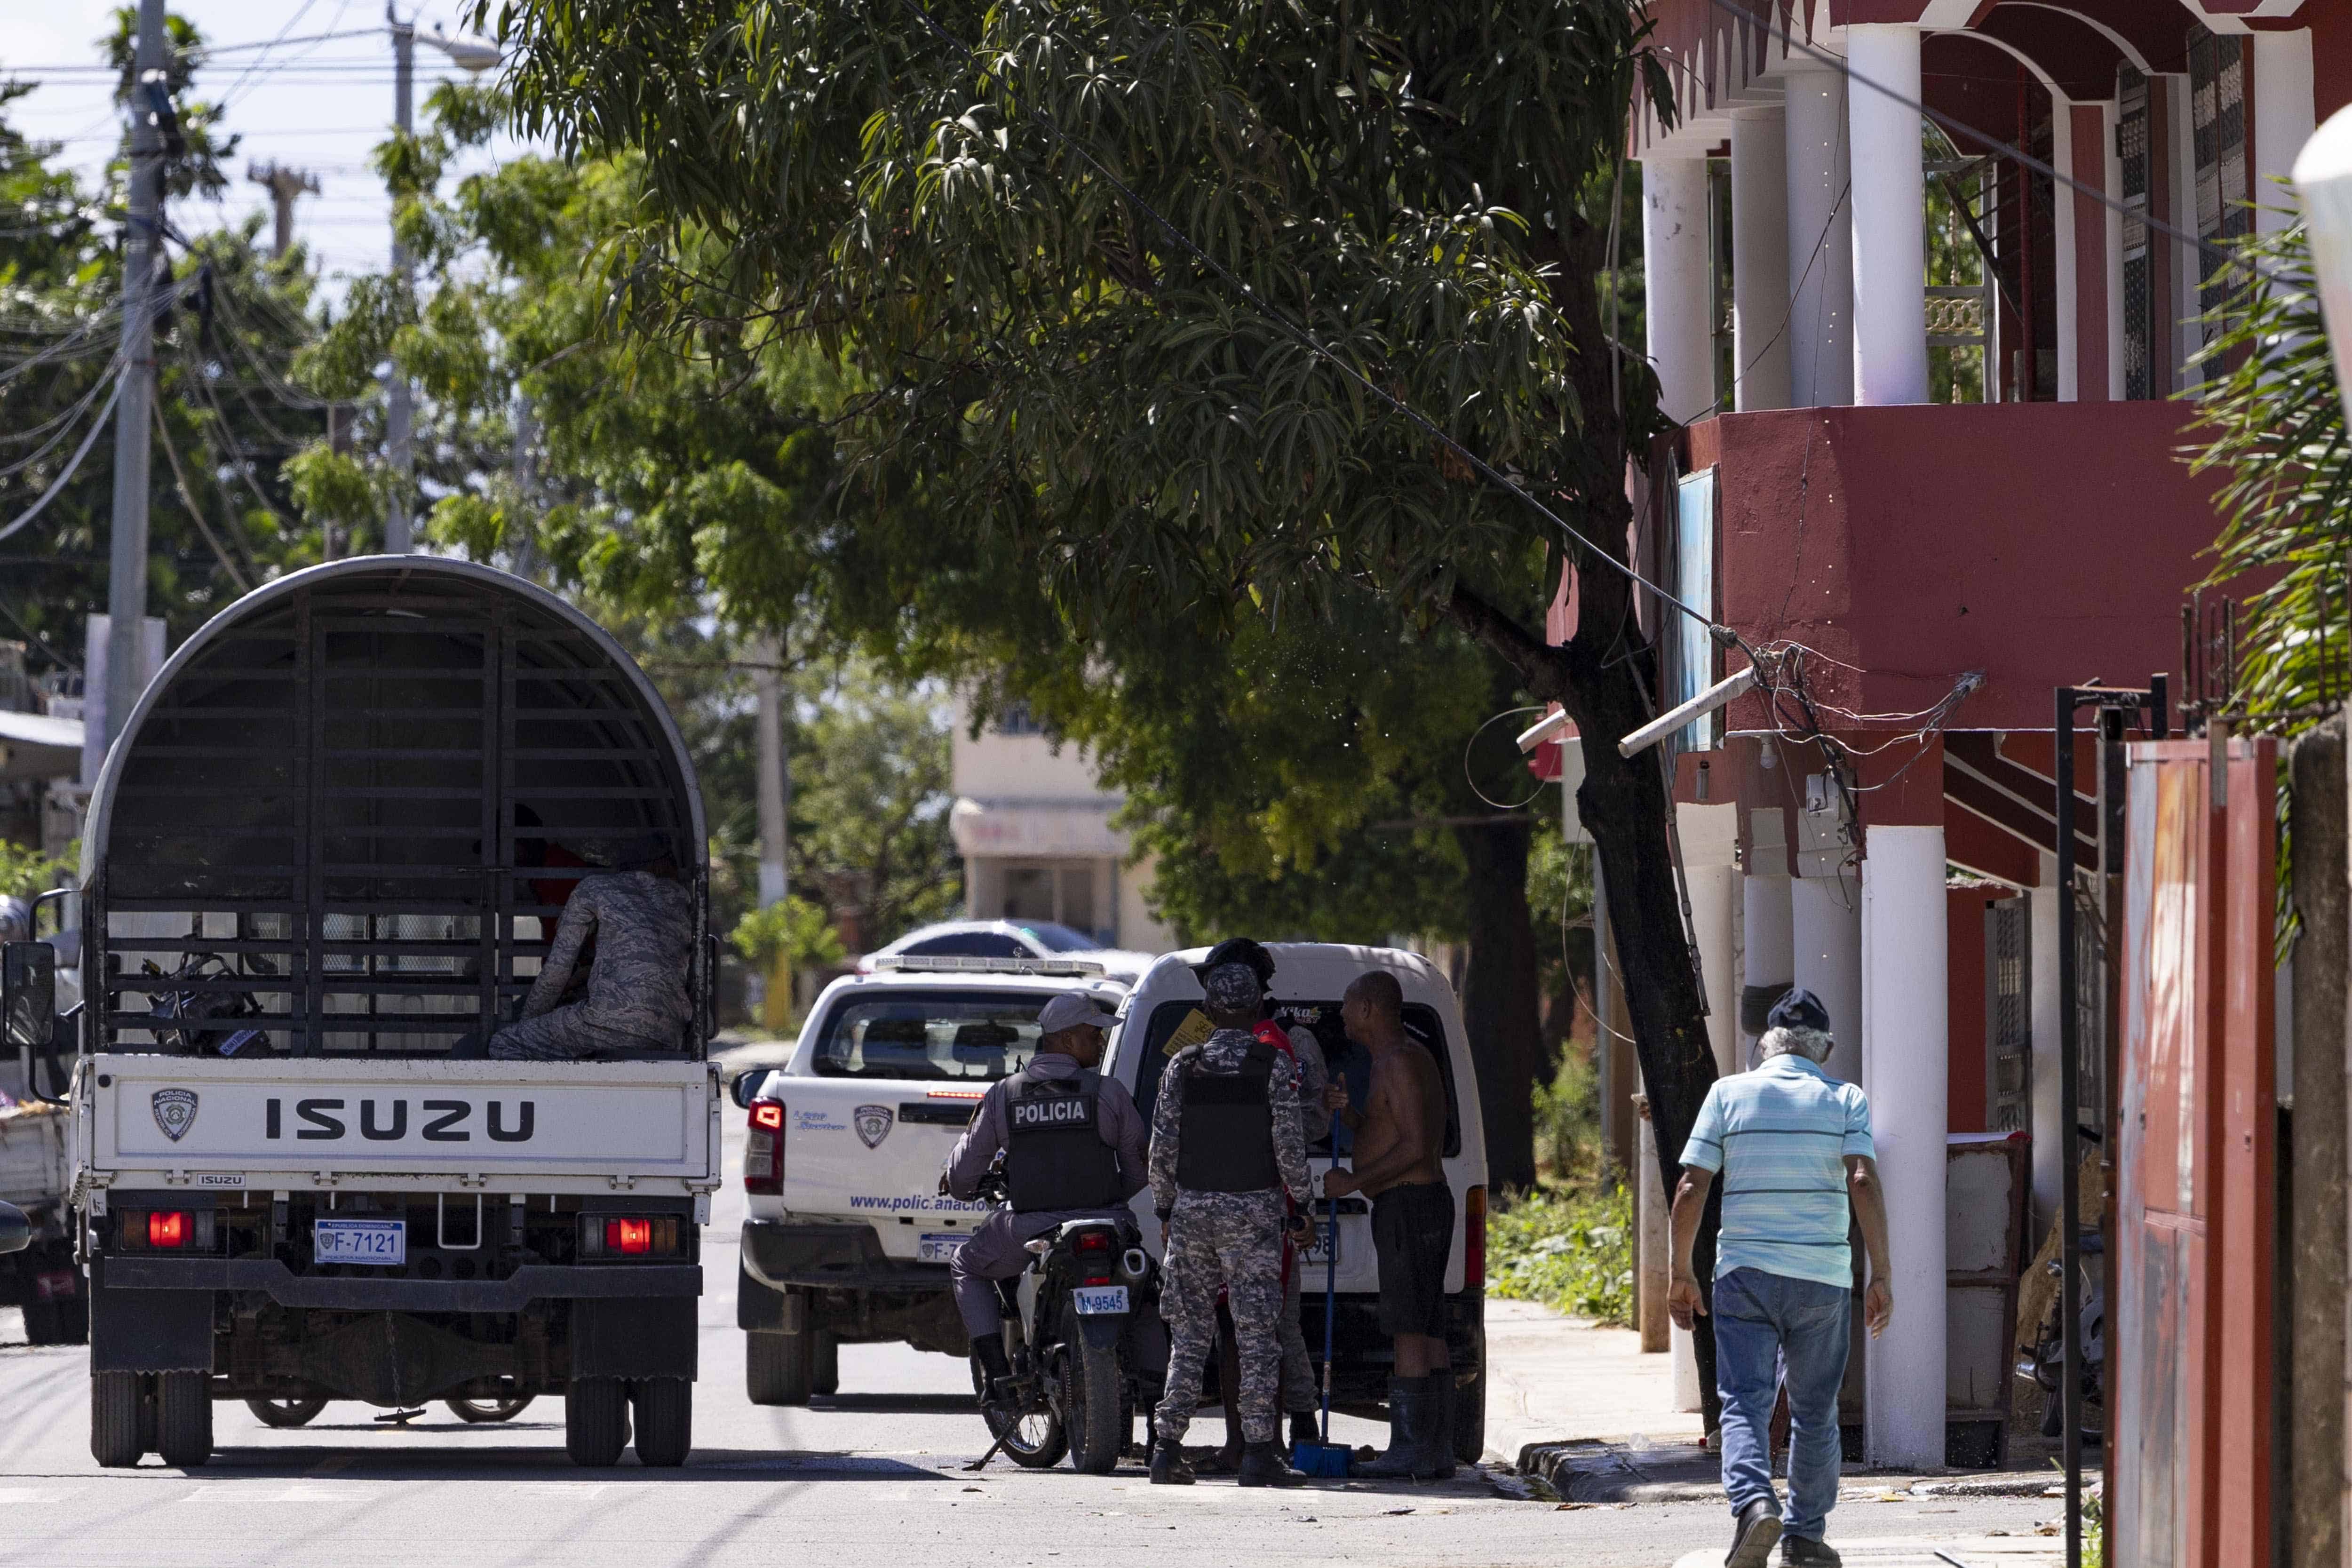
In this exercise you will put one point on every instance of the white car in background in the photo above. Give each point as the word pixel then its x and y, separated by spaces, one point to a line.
pixel 1008 938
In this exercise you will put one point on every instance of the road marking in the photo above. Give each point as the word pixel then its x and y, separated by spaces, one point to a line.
pixel 22 1497
pixel 250 1491
pixel 582 1490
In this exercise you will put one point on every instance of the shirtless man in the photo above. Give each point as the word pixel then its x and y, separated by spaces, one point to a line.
pixel 1400 1137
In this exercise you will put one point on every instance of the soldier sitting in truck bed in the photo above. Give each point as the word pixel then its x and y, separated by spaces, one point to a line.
pixel 642 920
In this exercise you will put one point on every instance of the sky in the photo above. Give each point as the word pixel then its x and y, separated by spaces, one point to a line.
pixel 318 105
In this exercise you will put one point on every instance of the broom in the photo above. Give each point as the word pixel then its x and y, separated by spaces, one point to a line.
pixel 1325 1458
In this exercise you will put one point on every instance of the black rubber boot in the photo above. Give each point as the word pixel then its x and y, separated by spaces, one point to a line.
pixel 1263 1466
pixel 1168 1466
pixel 989 1350
pixel 1303 1429
pixel 1412 1410
pixel 1440 1447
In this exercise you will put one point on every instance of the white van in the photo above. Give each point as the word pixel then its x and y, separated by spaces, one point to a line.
pixel 1309 978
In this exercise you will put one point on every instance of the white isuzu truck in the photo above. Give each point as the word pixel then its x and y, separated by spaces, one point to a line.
pixel 322 864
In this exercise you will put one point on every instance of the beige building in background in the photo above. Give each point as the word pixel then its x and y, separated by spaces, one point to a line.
pixel 1033 827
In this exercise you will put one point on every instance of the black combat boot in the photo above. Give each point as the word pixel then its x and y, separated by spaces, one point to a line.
pixel 1263 1466
pixel 1168 1466
pixel 1412 1403
pixel 989 1350
pixel 1302 1429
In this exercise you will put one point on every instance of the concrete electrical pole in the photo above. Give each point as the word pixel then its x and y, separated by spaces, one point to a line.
pixel 283 185
pixel 126 587
pixel 776 772
pixel 399 411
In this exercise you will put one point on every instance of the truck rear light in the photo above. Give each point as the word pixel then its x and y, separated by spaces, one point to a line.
pixel 1095 1251
pixel 764 1150
pixel 1474 1239
pixel 165 1230
pixel 628 1236
pixel 168 1227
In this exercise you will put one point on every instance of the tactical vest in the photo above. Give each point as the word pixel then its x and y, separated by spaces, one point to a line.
pixel 1055 1156
pixel 1227 1141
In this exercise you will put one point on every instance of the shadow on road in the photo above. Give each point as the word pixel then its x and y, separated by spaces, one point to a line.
pixel 898 1404
pixel 480 1463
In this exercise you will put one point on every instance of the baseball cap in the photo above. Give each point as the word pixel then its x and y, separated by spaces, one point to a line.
pixel 1232 987
pixel 1800 1009
pixel 1069 1010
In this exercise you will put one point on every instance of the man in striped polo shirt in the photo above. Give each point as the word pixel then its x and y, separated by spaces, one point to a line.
pixel 1792 1145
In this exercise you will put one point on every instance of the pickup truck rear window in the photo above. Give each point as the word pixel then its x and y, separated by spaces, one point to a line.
pixel 957 1036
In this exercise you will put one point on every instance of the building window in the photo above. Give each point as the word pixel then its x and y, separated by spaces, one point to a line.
pixel 2217 120
pixel 1016 719
pixel 2132 151
pixel 2008 1034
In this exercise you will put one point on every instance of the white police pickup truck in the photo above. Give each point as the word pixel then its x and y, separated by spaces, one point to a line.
pixel 847 1239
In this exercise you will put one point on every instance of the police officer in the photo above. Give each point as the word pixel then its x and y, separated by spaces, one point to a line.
pixel 1074 1149
pixel 1226 1145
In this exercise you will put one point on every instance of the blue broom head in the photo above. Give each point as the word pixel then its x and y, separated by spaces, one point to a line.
pixel 1320 1459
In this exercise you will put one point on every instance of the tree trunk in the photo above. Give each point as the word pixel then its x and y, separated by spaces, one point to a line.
pixel 1501 997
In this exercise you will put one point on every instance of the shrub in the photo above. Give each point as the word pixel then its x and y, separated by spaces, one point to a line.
pixel 1571 1250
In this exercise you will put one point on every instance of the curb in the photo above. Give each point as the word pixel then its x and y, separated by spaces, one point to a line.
pixel 1591 1471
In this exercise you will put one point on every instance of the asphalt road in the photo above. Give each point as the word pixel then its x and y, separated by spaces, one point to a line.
pixel 872 1476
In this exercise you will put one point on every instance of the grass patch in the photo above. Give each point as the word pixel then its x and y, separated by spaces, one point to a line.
pixel 1571 1250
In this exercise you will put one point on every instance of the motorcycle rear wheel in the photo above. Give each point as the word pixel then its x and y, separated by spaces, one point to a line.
pixel 1033 1438
pixel 1093 1403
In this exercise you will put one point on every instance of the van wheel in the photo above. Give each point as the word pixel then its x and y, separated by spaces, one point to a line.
pixel 1470 1419
pixel 777 1368
pixel 183 1417
pixel 596 1421
pixel 825 1363
pixel 117 1413
pixel 665 1409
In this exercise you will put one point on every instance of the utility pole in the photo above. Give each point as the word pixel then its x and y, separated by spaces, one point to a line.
pixel 283 185
pixel 776 772
pixel 126 585
pixel 398 413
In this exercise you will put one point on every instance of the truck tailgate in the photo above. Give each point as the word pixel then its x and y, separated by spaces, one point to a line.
pixel 872 1150
pixel 325 1118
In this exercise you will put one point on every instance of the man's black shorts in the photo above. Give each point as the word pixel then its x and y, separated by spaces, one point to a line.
pixel 1413 1231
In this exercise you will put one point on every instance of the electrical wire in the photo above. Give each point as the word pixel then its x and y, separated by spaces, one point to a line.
pixel 261 51
pixel 72 464
pixel 1471 744
pixel 188 500
pixel 65 424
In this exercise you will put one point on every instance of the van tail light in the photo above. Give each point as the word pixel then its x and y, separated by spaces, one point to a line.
pixel 1474 1239
pixel 168 1227
pixel 764 1150
pixel 1097 1254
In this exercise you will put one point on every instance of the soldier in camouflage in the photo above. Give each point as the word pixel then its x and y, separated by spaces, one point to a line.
pixel 1226 1144
pixel 636 1001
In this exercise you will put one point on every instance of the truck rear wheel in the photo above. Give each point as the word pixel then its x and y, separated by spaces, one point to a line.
pixel 118 1416
pixel 665 1411
pixel 596 1420
pixel 286 1413
pixel 825 1363
pixel 777 1368
pixel 183 1417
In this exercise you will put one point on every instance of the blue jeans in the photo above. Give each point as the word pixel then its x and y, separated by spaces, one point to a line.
pixel 1769 1327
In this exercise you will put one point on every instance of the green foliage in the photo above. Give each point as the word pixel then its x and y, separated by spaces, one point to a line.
pixel 793 930
pixel 2274 423
pixel 25 873
pixel 1571 1250
pixel 1567 1121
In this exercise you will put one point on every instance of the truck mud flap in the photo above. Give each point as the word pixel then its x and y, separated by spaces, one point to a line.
pixel 763 1308
pixel 531 1282
pixel 634 1338
pixel 149 1330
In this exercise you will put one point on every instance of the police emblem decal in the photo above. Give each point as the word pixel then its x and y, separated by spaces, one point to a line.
pixel 175 1111
pixel 873 1123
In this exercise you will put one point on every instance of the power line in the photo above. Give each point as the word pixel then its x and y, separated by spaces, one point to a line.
pixel 97 427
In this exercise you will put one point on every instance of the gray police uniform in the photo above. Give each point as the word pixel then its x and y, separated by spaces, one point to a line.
pixel 1225 1145
pixel 1300 1394
pixel 1074 1149
pixel 636 999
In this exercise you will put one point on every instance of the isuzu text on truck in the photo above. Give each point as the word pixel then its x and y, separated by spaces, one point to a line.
pixel 322 863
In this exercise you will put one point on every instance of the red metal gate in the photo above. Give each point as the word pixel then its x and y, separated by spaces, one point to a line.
pixel 2188 1346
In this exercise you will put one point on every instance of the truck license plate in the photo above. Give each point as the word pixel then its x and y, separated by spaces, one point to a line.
pixel 381 1241
pixel 1100 1299
pixel 938 1249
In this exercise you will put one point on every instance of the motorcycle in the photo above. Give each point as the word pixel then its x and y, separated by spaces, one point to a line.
pixel 1084 1341
pixel 2045 1363
pixel 193 1021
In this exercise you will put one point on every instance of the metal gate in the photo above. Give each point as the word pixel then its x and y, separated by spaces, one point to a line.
pixel 2188 1351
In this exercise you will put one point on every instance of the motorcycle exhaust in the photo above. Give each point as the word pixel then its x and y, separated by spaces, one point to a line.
pixel 1137 1262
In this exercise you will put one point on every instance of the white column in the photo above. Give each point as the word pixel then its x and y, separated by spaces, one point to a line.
pixel 1821 238
pixel 2041 1019
pixel 1770 955
pixel 1713 891
pixel 1890 258
pixel 1906 978
pixel 1760 258
pixel 1825 930
pixel 1674 262
pixel 2062 230
pixel 2286 113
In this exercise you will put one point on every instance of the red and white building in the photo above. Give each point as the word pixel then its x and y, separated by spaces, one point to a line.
pixel 1922 443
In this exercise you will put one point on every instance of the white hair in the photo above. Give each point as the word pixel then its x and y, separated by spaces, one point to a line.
pixel 1813 1045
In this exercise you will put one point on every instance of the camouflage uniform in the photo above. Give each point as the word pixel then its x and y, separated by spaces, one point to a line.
pixel 636 999
pixel 1223 1241
pixel 1301 1392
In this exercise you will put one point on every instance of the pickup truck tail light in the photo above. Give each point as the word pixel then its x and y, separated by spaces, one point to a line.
pixel 628 1236
pixel 165 1230
pixel 764 1150
pixel 1473 1238
pixel 1097 1255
